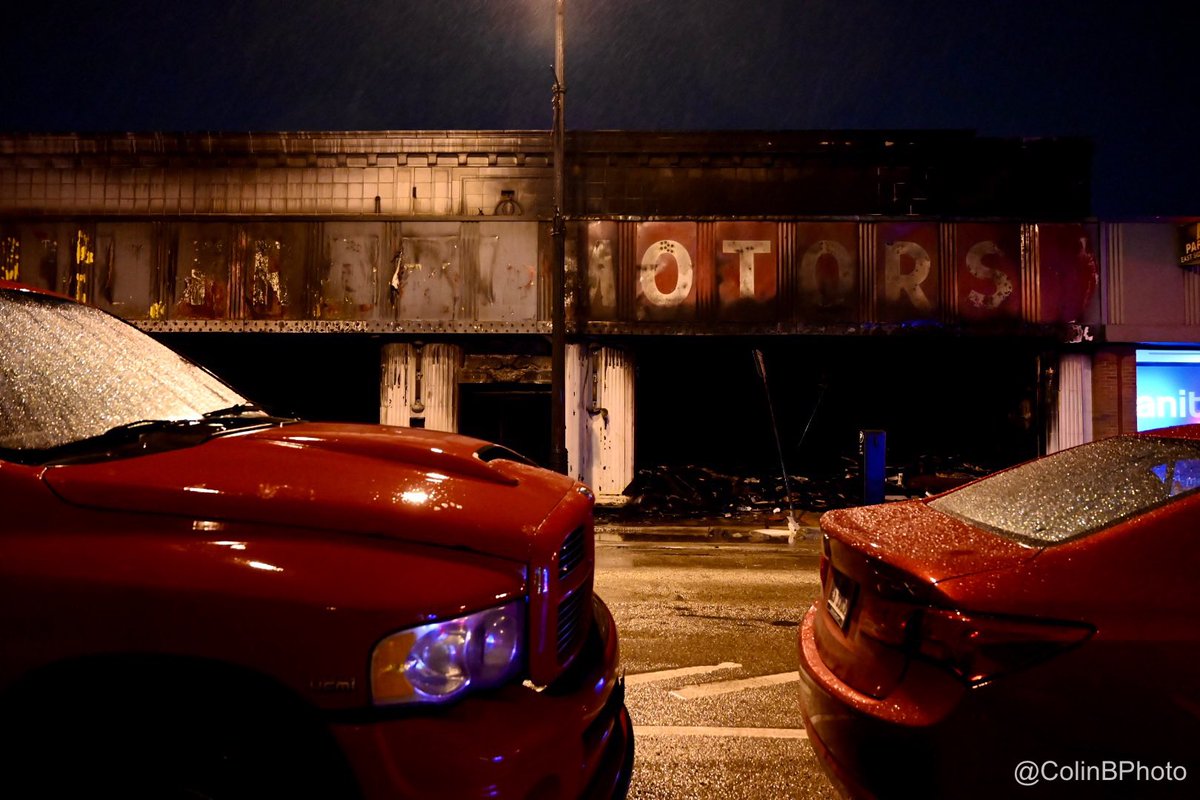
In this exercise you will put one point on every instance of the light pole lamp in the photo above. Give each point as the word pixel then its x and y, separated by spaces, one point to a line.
pixel 558 269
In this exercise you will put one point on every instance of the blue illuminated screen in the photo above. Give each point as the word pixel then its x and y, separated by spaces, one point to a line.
pixel 1168 388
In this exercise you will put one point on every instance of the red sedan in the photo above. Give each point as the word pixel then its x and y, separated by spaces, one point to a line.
pixel 1035 632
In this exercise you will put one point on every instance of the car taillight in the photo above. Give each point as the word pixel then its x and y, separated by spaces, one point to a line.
pixel 979 648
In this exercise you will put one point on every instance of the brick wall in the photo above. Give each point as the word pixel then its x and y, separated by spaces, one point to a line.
pixel 1114 392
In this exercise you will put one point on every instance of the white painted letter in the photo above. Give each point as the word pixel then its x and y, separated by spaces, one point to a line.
pixel 746 248
pixel 651 266
pixel 898 282
pixel 810 281
pixel 998 277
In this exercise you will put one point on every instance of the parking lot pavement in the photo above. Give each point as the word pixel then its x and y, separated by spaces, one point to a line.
pixel 746 530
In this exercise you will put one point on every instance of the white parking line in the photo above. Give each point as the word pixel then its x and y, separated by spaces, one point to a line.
pixel 725 687
pixel 681 672
pixel 745 733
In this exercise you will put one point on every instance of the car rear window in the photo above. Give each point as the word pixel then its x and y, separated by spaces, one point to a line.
pixel 1078 491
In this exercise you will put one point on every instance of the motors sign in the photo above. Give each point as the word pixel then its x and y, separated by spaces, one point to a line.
pixel 836 272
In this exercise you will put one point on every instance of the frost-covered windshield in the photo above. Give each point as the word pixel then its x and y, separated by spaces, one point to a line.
pixel 69 372
pixel 1080 490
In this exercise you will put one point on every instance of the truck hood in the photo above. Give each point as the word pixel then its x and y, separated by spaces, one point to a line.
pixel 409 484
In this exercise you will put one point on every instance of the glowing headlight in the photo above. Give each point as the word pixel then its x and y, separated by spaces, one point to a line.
pixel 438 662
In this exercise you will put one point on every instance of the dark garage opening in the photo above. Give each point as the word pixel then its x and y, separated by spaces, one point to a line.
pixel 516 415
pixel 700 401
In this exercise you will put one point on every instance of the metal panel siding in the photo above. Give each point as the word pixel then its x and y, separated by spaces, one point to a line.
pixel 600 418
pixel 202 271
pixel 827 271
pixel 746 258
pixel 431 275
pixel 1067 270
pixel 274 258
pixel 419 386
pixel 868 252
pixel 506 271
pixel 125 268
pixel 949 285
pixel 349 278
pixel 987 271
pixel 487 276
pixel 666 270
pixel 600 270
pixel 1071 421
pixel 704 281
pixel 907 271
pixel 1114 297
pixel 1031 296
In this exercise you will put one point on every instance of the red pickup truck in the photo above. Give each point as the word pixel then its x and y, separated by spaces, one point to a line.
pixel 201 600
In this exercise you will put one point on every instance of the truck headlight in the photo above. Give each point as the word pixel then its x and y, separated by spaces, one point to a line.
pixel 438 662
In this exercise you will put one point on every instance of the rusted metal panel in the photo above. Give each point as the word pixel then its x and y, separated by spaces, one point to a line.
pixel 1067 270
pixel 37 254
pixel 987 268
pixel 273 258
pixel 506 269
pixel 428 278
pixel 907 271
pixel 601 270
pixel 827 271
pixel 349 278
pixel 747 269
pixel 200 286
pixel 125 269
pixel 666 270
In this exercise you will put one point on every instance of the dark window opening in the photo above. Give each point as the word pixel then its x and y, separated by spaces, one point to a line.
pixel 516 416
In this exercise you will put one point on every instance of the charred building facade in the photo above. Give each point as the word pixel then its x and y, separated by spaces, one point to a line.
pixel 951 289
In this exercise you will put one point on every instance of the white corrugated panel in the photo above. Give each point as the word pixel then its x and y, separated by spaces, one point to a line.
pixel 420 383
pixel 1071 417
pixel 600 419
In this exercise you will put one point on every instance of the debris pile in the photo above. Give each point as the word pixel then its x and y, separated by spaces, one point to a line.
pixel 698 491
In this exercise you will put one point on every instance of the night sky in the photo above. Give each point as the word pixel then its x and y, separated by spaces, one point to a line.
pixel 1122 74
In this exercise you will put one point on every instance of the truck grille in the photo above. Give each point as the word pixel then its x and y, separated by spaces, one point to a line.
pixel 572 552
pixel 560 596
pixel 572 623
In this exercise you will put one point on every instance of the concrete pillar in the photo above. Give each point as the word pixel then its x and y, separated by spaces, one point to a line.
pixel 600 419
pixel 419 386
pixel 1071 414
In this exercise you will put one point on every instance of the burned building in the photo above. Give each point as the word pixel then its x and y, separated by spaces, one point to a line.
pixel 950 289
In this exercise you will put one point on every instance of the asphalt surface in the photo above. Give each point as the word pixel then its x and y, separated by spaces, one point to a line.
pixel 708 613
pixel 613 526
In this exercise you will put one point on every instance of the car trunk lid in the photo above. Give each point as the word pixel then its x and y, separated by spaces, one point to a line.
pixel 879 565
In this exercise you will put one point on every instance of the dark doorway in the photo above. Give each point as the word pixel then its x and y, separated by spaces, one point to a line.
pixel 516 415
pixel 316 376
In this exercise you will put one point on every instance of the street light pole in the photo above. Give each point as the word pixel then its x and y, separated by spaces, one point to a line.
pixel 558 333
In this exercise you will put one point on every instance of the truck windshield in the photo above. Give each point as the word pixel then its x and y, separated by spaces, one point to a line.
pixel 69 372
pixel 1078 491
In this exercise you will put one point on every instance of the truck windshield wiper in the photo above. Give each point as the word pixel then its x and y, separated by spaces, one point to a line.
pixel 145 426
pixel 148 435
pixel 235 410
